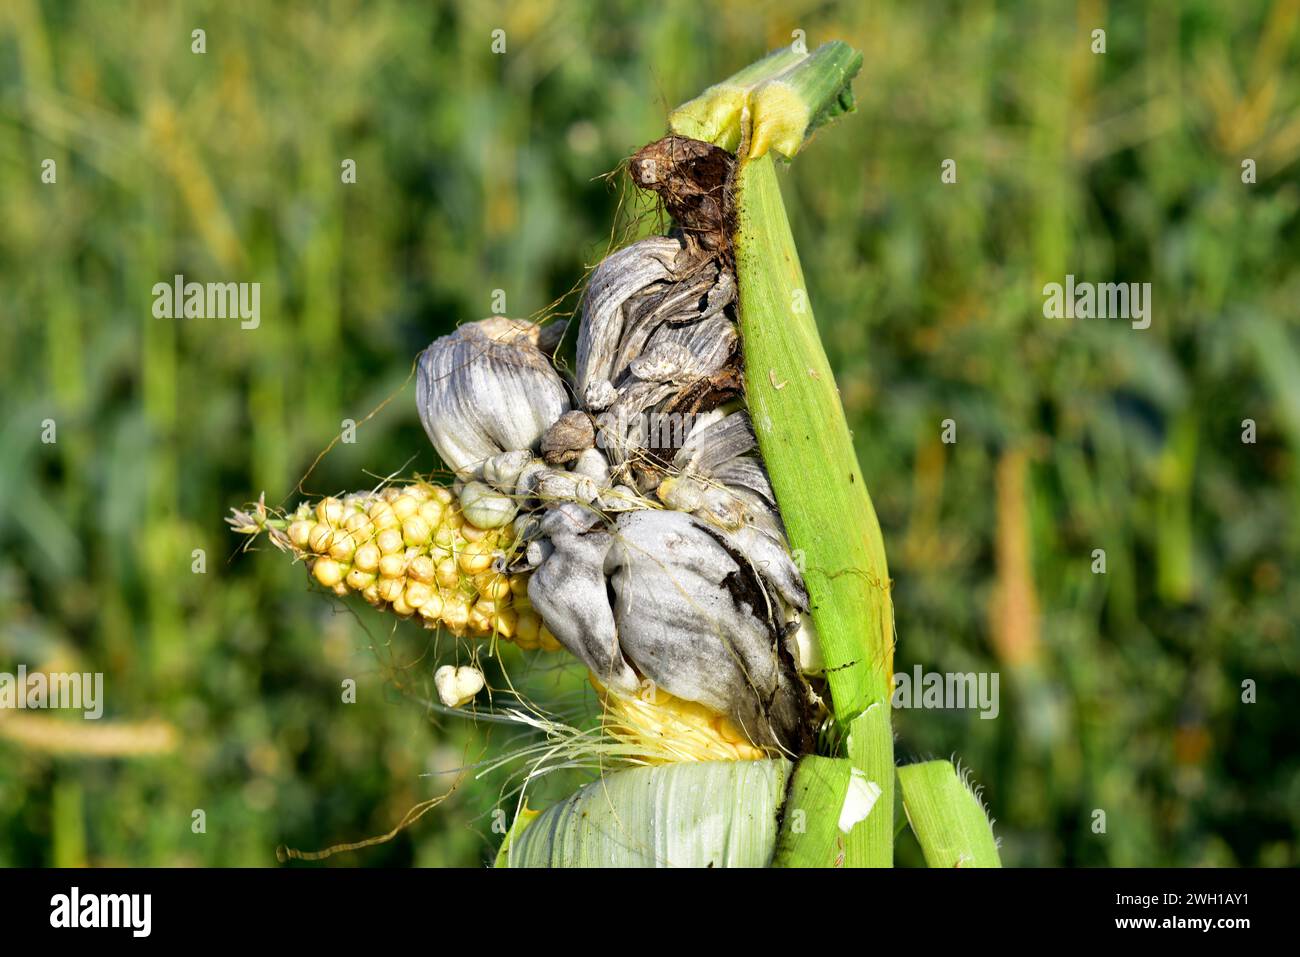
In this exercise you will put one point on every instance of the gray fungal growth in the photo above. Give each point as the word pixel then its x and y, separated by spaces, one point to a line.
pixel 643 509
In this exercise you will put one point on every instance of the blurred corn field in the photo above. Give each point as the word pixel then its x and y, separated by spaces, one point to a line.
pixel 475 172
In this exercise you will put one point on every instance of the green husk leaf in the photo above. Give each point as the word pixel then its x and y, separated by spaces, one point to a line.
pixel 948 819
pixel 804 436
pixel 692 814
pixel 809 834
pixel 809 452
pixel 831 800
pixel 525 817
pixel 715 115
pixel 774 103
pixel 871 751
pixel 786 109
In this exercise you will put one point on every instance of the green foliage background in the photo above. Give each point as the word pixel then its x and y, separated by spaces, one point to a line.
pixel 1120 692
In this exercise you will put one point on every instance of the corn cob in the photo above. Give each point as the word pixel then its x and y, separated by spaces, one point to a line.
pixel 409 549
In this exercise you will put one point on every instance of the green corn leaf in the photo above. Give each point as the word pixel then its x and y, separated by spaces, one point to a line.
pixel 946 816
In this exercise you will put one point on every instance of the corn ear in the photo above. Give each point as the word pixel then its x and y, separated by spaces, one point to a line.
pixel 411 550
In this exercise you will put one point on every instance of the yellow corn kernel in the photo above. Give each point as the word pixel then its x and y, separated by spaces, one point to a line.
pixel 527 627
pixel 455 613
pixel 392 566
pixel 328 572
pixel 321 538
pixel 381 514
pixel 475 558
pixel 480 619
pixel 390 589
pixel 367 557
pixel 494 587
pixel 389 541
pixel 447 573
pixel 431 512
pixel 431 609
pixel 416 531
pixel 360 526
pixel 359 580
pixel 423 569
pixel 548 641
pixel 505 622
pixel 329 511
pixel 417 593
pixel 343 546
pixel 300 533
